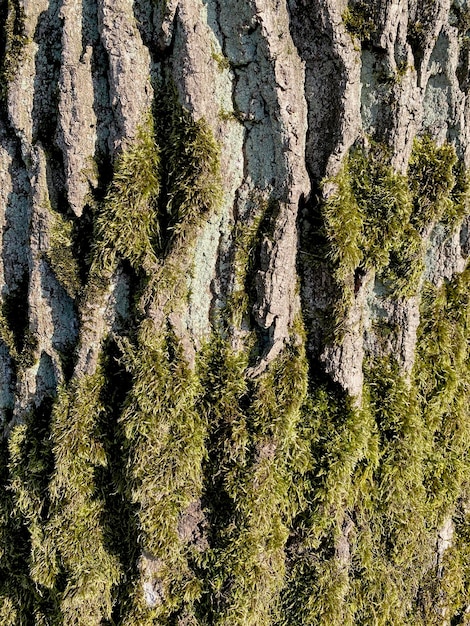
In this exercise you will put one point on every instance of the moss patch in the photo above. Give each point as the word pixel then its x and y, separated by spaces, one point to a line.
pixel 190 167
pixel 431 173
pixel 60 254
pixel 127 223
pixel 256 449
pixel 165 442
pixel 12 41
pixel 151 220
pixel 75 535
pixel 374 218
pixel 266 502
pixel 383 482
pixel 358 21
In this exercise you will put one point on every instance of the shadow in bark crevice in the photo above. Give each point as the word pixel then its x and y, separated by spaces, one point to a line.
pixel 119 520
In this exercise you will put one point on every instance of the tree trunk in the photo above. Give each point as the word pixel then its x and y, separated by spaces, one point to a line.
pixel 235 318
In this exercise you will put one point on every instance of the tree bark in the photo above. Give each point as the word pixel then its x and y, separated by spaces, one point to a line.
pixel 234 324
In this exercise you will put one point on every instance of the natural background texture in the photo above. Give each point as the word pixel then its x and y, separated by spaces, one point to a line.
pixel 235 320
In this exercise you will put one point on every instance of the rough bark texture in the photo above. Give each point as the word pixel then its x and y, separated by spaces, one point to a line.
pixel 234 327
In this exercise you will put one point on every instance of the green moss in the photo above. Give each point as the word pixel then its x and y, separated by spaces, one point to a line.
pixel 191 183
pixel 23 479
pixel 392 516
pixel 342 439
pixel 127 223
pixel 358 21
pixel 75 535
pixel 386 502
pixel 402 69
pixel 383 483
pixel 228 116
pixel 156 202
pixel 403 274
pixel 165 441
pixel 460 196
pixel 357 546
pixel 222 62
pixel 29 466
pixel 256 450
pixel 7 336
pixel 60 254
pixel 439 190
pixel 29 354
pixel 191 190
pixel 246 241
pixel 455 586
pixel 384 479
pixel 310 509
pixel 13 42
pixel 374 218
pixel 367 225
pixel 344 224
pixel 443 375
pixel 8 613
pixel 443 369
pixel 383 200
pixel 339 475
pixel 163 431
pixel 431 175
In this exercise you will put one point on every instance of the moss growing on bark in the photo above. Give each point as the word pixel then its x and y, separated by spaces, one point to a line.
pixel 341 440
pixel 383 201
pixel 256 449
pixel 29 467
pixel 165 442
pixel 385 481
pixel 163 186
pixel 60 254
pixel 16 589
pixel 127 224
pixel 367 225
pixel 247 238
pixel 460 196
pixel 431 175
pixel 190 167
pixel 375 218
pixel 75 532
pixel 253 501
pixel 358 21
pixel 163 432
pixel 13 40
pixel 7 336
